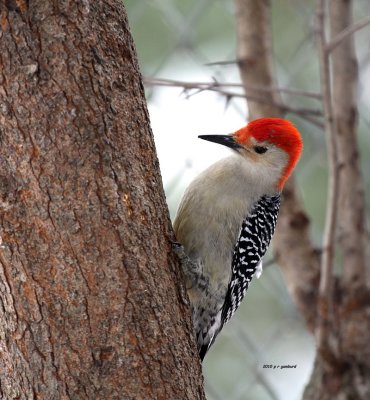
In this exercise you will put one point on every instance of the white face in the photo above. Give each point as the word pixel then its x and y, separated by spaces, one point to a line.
pixel 266 160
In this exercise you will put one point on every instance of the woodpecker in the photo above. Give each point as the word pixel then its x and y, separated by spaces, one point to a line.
pixel 227 217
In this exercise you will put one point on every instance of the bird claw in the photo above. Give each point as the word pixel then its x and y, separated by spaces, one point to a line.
pixel 192 270
pixel 178 248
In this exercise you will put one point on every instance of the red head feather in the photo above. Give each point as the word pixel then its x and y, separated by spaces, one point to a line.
pixel 281 133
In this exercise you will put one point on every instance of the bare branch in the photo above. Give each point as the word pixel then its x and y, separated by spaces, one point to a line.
pixel 225 62
pixel 345 33
pixel 306 113
pixel 250 347
pixel 325 306
pixel 216 84
pixel 351 188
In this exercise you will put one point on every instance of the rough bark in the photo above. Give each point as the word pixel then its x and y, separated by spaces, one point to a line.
pixel 253 29
pixel 292 246
pixel 345 372
pixel 91 304
pixel 351 188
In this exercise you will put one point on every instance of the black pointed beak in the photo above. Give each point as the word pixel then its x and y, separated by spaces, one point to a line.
pixel 225 140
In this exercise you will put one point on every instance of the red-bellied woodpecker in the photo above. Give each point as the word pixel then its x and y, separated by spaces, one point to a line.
pixel 227 217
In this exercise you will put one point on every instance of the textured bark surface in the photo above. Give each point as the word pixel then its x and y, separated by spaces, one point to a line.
pixel 90 301
pixel 253 29
pixel 342 370
pixel 352 220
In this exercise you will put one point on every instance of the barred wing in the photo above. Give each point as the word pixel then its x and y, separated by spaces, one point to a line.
pixel 254 238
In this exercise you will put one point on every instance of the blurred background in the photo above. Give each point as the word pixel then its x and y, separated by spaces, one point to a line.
pixel 194 41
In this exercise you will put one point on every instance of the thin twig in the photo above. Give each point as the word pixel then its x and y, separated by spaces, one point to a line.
pixel 345 33
pixel 250 347
pixel 314 121
pixel 216 84
pixel 284 108
pixel 225 62
pixel 305 113
pixel 325 305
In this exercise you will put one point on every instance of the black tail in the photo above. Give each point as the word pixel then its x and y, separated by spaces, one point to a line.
pixel 203 351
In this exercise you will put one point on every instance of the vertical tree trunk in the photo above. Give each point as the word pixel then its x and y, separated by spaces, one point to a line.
pixel 352 222
pixel 253 29
pixel 345 374
pixel 91 305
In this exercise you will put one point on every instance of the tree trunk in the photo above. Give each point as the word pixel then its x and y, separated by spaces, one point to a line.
pixel 91 300
pixel 342 369
pixel 254 37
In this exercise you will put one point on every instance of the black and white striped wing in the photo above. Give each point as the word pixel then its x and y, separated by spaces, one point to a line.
pixel 254 238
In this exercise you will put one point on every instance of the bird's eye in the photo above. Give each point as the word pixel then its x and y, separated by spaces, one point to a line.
pixel 260 149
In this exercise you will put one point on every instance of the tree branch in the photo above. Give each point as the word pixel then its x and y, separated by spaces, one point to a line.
pixel 325 306
pixel 345 33
pixel 255 93
pixel 216 84
pixel 351 188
